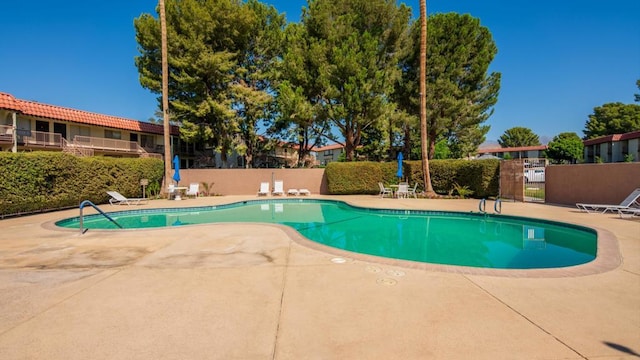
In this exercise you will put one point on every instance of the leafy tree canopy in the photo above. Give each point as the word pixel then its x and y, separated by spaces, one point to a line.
pixel 219 56
pixel 342 63
pixel 517 137
pixel 566 147
pixel 612 118
pixel 460 91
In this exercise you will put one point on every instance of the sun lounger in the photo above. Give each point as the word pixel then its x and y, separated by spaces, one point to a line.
pixel 264 189
pixel 629 212
pixel 117 198
pixel 631 201
pixel 293 192
pixel 304 192
pixel 278 187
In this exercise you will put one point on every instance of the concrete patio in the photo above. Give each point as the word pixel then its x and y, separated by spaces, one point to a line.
pixel 252 291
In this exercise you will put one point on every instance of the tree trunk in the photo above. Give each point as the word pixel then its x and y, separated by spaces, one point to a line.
pixel 165 95
pixel 428 188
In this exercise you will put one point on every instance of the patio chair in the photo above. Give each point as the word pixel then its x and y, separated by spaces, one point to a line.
pixel 403 190
pixel 117 198
pixel 631 201
pixel 385 190
pixel 412 191
pixel 278 187
pixel 264 189
pixel 194 189
pixel 293 192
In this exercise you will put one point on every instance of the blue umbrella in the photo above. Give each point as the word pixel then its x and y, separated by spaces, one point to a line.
pixel 176 169
pixel 399 173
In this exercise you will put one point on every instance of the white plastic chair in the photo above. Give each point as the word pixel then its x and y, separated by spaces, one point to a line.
pixel 278 187
pixel 194 188
pixel 264 189
pixel 384 190
pixel 412 191
pixel 403 191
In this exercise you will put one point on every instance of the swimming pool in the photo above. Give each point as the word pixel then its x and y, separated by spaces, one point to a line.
pixel 452 238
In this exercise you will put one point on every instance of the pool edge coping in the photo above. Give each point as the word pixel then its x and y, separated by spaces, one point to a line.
pixel 608 256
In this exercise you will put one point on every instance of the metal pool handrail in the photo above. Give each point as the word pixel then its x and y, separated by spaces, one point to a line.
pixel 482 206
pixel 497 207
pixel 87 202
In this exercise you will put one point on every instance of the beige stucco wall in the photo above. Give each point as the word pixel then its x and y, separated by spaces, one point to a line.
pixel 591 183
pixel 247 181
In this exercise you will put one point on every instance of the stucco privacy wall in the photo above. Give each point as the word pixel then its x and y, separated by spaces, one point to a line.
pixel 591 183
pixel 565 184
pixel 247 181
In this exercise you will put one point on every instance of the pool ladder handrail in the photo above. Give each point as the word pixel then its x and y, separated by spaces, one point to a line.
pixel 87 202
pixel 482 206
pixel 497 207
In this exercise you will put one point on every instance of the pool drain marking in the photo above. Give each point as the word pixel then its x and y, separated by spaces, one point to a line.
pixel 373 269
pixel 338 260
pixel 395 272
pixel 387 281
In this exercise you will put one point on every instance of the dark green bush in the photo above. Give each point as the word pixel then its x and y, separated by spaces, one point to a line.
pixel 38 181
pixel 480 176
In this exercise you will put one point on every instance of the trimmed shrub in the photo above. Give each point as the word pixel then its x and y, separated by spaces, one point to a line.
pixel 40 181
pixel 481 177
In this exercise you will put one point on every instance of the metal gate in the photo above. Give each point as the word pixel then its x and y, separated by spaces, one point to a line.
pixel 523 179
pixel 533 176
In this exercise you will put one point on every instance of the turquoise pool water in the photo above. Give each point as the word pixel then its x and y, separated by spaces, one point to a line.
pixel 453 238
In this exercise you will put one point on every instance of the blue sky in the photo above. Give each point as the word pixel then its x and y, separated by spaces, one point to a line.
pixel 558 59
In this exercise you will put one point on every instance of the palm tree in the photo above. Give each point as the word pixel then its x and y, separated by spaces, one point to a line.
pixel 428 188
pixel 165 95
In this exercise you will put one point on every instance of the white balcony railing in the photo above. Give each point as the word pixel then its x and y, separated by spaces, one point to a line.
pixel 107 144
pixel 6 134
pixel 41 139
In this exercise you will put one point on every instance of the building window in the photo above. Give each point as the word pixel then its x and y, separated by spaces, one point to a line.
pixel 42 126
pixel 112 134
pixel 147 141
pixel 75 130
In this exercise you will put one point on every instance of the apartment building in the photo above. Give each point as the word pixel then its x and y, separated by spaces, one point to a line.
pixel 28 126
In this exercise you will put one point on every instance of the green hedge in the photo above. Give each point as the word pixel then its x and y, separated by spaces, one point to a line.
pixel 350 178
pixel 39 181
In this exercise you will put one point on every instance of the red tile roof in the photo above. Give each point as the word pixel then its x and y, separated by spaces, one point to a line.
pixel 329 147
pixel 54 112
pixel 612 138
pixel 509 149
pixel 7 101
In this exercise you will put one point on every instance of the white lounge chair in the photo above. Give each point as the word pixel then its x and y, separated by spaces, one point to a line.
pixel 385 190
pixel 293 192
pixel 278 187
pixel 194 189
pixel 631 201
pixel 629 212
pixel 264 189
pixel 117 198
pixel 304 192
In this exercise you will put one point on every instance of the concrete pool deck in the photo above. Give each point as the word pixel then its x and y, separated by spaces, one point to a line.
pixel 251 291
